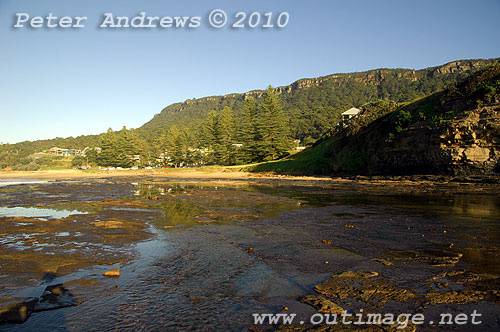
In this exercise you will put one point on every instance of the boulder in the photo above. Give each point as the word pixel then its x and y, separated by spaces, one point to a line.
pixel 112 273
pixel 477 154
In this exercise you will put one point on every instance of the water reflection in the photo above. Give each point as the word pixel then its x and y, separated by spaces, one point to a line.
pixel 177 213
pixel 188 204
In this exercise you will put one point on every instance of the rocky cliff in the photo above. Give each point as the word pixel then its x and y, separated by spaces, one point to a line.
pixel 456 131
pixel 469 144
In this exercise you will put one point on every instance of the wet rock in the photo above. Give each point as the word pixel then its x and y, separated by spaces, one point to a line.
pixel 18 313
pixel 361 286
pixel 323 305
pixel 383 261
pixel 441 258
pixel 108 223
pixel 358 274
pixel 112 273
pixel 454 297
pixel 55 297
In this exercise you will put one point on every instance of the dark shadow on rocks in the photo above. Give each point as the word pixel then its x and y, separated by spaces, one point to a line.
pixel 497 168
pixel 48 277
pixel 53 297
pixel 18 313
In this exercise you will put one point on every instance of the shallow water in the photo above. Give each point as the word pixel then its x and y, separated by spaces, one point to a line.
pixel 32 212
pixel 14 182
pixel 206 255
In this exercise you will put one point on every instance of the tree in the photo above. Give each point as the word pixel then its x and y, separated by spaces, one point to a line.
pixel 145 149
pixel 126 147
pixel 91 156
pixel 160 146
pixel 118 148
pixel 211 139
pixel 273 127
pixel 225 125
pixel 108 144
pixel 218 136
pixel 78 161
pixel 172 145
pixel 248 133
pixel 185 142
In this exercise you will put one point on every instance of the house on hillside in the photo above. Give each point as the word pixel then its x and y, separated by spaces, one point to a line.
pixel 64 152
pixel 297 145
pixel 350 113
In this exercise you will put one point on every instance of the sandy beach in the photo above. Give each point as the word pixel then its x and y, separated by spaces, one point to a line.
pixel 216 173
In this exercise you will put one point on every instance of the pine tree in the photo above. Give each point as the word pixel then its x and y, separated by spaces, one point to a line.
pixel 160 146
pixel 185 143
pixel 172 145
pixel 248 131
pixel 127 147
pixel 108 145
pixel 225 136
pixel 200 142
pixel 144 149
pixel 273 127
pixel 211 139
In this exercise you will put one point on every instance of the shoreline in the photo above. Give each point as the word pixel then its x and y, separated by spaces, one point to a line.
pixel 385 184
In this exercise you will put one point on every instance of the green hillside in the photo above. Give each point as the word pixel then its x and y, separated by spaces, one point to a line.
pixel 314 105
pixel 452 131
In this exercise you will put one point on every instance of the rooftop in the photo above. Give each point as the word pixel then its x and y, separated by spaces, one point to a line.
pixel 352 111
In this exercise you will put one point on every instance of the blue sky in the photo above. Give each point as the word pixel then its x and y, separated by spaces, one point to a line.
pixel 68 82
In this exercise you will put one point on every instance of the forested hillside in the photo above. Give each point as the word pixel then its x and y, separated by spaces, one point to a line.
pixel 313 105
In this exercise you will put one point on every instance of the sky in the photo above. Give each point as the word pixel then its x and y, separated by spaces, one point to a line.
pixel 60 82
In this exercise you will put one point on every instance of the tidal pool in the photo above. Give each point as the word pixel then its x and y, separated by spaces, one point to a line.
pixel 32 212
pixel 207 255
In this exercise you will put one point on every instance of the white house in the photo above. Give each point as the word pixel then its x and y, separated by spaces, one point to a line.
pixel 350 113
pixel 65 152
